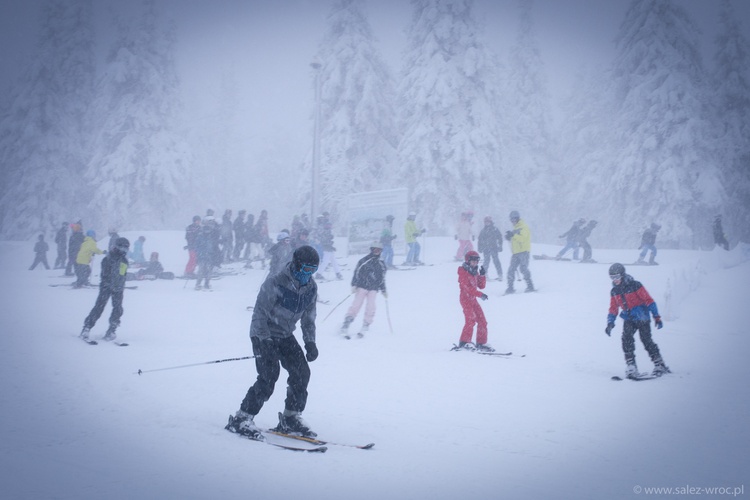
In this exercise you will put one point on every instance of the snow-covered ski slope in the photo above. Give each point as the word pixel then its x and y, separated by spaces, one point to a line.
pixel 79 423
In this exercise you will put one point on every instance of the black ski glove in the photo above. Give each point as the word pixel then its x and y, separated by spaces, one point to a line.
pixel 483 296
pixel 609 328
pixel 657 321
pixel 312 351
pixel 482 271
pixel 508 235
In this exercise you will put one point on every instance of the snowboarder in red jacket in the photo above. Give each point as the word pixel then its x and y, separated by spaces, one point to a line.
pixel 472 279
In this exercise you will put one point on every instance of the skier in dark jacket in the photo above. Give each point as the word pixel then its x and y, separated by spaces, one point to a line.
pixel 40 250
pixel 719 237
pixel 648 243
pixel 572 237
pixel 207 251
pixel 112 284
pixel 635 302
pixel 489 244
pixel 61 238
pixel 284 299
pixel 367 281
pixel 74 246
pixel 583 240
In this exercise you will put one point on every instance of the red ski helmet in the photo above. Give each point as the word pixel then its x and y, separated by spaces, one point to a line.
pixel 471 255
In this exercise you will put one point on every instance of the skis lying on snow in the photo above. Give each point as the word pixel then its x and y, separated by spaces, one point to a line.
pixel 549 257
pixel 319 442
pixel 637 378
pixel 89 286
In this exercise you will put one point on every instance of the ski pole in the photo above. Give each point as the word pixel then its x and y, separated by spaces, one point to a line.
pixel 388 315
pixel 334 307
pixel 139 372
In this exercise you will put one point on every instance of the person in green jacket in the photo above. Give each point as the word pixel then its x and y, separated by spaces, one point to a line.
pixel 520 243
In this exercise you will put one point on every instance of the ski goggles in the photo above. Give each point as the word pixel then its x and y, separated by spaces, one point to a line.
pixel 615 277
pixel 308 268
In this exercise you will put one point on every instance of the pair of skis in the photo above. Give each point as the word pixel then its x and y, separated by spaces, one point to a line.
pixel 314 445
pixel 94 342
pixel 637 378
pixel 487 353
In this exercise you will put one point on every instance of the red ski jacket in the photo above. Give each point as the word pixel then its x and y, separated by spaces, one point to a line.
pixel 470 284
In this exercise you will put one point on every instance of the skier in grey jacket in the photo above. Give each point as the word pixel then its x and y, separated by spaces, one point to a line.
pixel 284 299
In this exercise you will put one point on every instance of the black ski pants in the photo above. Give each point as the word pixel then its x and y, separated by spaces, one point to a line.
pixel 41 258
pixel 101 301
pixel 270 355
pixel 628 340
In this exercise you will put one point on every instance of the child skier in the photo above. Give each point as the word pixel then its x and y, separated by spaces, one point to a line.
pixel 636 303
pixel 114 269
pixel 40 251
pixel 470 281
pixel 368 279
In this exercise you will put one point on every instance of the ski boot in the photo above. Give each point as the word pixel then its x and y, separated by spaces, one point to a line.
pixel 631 371
pixel 345 327
pixel 660 368
pixel 365 329
pixel 110 335
pixel 484 348
pixel 242 423
pixel 464 346
pixel 85 333
pixel 290 422
pixel 510 291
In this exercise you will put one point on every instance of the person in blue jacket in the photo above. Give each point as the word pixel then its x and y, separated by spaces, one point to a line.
pixel 632 298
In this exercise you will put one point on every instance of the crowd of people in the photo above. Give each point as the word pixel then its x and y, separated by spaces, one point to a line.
pixel 304 251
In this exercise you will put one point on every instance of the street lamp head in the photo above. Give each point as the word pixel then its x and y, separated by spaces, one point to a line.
pixel 315 64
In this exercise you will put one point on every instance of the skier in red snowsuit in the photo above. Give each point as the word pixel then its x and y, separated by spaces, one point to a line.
pixel 470 281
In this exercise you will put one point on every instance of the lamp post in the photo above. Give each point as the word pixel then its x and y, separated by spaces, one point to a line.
pixel 316 65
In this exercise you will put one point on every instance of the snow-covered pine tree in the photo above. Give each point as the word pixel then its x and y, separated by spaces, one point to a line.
pixel 663 171
pixel 44 131
pixel 731 83
pixel 586 151
pixel 357 120
pixel 140 172
pixel 533 178
pixel 450 153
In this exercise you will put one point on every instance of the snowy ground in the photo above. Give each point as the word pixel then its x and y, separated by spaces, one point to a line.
pixel 79 423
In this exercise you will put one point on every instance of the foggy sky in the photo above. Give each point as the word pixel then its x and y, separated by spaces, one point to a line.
pixel 268 46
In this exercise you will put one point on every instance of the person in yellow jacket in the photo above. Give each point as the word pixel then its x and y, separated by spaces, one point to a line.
pixel 83 260
pixel 520 243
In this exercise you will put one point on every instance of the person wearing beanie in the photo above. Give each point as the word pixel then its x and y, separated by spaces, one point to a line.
pixel 284 299
pixel 112 285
